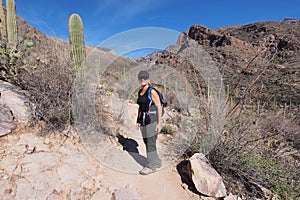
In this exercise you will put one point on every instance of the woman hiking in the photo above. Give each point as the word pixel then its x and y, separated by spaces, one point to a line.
pixel 149 121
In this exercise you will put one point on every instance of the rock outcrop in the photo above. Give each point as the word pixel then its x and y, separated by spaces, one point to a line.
pixel 6 120
pixel 206 36
pixel 268 50
pixel 205 178
pixel 15 108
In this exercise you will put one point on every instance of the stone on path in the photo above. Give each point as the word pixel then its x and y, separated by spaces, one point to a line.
pixel 206 179
pixel 125 193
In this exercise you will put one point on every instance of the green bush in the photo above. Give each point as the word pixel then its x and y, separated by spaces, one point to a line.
pixel 245 158
pixel 167 129
pixel 271 173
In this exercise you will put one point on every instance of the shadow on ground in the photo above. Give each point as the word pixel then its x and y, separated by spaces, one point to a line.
pixel 183 170
pixel 130 145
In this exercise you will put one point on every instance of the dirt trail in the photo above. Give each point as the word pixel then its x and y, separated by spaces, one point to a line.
pixel 124 157
pixel 58 167
pixel 120 170
pixel 164 184
pixel 67 166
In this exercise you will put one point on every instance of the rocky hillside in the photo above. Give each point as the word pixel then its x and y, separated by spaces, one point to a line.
pixel 270 50
pixel 260 66
pixel 259 61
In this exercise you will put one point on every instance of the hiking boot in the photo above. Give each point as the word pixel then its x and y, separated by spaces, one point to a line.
pixel 159 165
pixel 146 171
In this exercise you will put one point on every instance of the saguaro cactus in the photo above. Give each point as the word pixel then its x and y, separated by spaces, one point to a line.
pixel 11 23
pixel 2 21
pixel 76 40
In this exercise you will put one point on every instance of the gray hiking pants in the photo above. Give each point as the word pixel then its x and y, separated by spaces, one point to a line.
pixel 149 137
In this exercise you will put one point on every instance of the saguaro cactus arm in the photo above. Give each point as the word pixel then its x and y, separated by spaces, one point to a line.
pixel 76 38
pixel 11 23
pixel 2 21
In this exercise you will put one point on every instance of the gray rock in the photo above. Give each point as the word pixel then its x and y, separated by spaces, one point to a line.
pixel 125 194
pixel 206 179
pixel 232 197
pixel 15 108
pixel 6 120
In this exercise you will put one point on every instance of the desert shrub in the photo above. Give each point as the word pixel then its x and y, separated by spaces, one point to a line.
pixel 270 172
pixel 40 66
pixel 167 129
pixel 49 88
pixel 247 156
pixel 48 84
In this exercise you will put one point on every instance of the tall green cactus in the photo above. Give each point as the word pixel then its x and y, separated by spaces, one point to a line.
pixel 11 23
pixel 76 40
pixel 2 21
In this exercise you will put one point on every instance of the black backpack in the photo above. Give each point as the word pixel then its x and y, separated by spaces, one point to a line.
pixel 162 98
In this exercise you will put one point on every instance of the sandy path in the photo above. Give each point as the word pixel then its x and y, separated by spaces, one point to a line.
pixel 58 167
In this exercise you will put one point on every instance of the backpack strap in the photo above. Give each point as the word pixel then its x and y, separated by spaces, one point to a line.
pixel 149 97
pixel 150 100
pixel 149 93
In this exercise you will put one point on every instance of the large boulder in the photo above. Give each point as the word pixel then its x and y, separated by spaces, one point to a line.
pixel 205 178
pixel 6 120
pixel 15 108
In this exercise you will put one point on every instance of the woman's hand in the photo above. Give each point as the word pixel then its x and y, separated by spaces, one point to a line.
pixel 137 126
pixel 156 100
pixel 158 127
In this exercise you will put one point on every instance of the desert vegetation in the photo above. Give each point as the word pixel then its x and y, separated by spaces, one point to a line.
pixel 258 151
pixel 259 146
